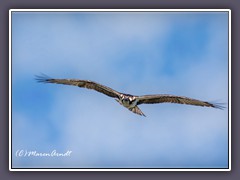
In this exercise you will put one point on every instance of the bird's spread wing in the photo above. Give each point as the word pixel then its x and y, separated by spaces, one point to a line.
pixel 80 83
pixel 152 99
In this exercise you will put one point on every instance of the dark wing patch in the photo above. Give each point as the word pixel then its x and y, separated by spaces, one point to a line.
pixel 80 83
pixel 152 99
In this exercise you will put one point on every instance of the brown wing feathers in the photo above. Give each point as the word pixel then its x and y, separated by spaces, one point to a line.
pixel 80 83
pixel 147 99
pixel 152 99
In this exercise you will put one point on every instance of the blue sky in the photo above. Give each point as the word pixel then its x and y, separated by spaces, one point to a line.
pixel 132 52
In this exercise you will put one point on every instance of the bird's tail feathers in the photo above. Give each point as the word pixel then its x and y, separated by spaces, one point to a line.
pixel 137 110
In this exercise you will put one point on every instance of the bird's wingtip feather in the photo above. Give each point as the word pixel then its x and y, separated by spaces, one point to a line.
pixel 43 78
pixel 218 105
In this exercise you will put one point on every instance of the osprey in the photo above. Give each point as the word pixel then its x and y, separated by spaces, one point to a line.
pixel 129 101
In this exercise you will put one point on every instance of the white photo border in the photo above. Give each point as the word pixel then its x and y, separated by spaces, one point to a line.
pixel 120 169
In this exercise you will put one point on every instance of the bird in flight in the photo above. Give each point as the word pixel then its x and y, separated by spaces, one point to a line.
pixel 129 101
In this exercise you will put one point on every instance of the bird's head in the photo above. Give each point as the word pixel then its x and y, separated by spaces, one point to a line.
pixel 125 100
